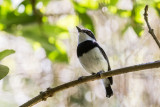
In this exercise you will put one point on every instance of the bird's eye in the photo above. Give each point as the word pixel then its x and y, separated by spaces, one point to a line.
pixel 89 33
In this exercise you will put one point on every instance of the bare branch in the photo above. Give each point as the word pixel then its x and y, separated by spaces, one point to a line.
pixel 50 91
pixel 149 27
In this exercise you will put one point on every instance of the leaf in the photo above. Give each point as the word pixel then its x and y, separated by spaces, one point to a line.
pixel 124 13
pixel 69 21
pixel 57 56
pixel 45 2
pixel 12 19
pixel 137 18
pixel 6 53
pixel 112 9
pixel 78 8
pixel 138 29
pixel 113 2
pixel 82 5
pixel 137 13
pixel 3 71
pixel 157 7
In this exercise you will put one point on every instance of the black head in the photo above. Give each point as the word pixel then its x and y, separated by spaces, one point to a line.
pixel 86 31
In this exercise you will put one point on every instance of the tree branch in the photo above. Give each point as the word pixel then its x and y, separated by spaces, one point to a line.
pixel 149 27
pixel 50 91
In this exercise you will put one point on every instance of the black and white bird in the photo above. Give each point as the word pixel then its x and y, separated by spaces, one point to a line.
pixel 92 57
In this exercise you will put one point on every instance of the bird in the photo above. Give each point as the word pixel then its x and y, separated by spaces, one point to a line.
pixel 93 58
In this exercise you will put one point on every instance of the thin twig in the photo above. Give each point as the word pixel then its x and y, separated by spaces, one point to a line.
pixel 149 27
pixel 50 91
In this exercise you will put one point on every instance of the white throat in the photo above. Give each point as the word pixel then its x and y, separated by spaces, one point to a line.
pixel 83 37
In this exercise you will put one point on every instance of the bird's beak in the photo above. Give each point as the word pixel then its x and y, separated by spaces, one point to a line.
pixel 79 30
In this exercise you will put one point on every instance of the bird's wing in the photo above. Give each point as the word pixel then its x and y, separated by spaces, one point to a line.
pixel 109 68
pixel 105 56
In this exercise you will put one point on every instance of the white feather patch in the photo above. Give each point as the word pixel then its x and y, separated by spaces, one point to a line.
pixel 83 37
pixel 93 61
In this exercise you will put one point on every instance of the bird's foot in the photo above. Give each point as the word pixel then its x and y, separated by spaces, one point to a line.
pixel 81 78
pixel 93 73
pixel 48 91
pixel 43 94
pixel 99 73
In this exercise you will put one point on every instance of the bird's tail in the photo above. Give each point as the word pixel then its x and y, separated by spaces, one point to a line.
pixel 108 88
pixel 109 91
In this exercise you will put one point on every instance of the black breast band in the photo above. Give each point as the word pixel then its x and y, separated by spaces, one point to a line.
pixel 85 46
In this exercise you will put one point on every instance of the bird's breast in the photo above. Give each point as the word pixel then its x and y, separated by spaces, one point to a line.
pixel 93 61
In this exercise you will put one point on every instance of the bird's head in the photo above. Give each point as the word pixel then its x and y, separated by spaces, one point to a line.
pixel 85 34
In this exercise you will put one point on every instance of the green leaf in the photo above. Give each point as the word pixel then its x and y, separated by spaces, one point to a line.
pixel 12 19
pixel 157 7
pixel 137 18
pixel 124 13
pixel 78 8
pixel 112 9
pixel 138 29
pixel 90 4
pixel 6 53
pixel 45 2
pixel 69 21
pixel 3 71
pixel 82 5
pixel 36 33
pixel 57 56
pixel 137 13
pixel 113 2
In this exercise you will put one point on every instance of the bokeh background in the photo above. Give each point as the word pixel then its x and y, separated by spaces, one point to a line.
pixel 44 37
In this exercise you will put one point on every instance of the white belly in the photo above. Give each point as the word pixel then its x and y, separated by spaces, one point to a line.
pixel 93 61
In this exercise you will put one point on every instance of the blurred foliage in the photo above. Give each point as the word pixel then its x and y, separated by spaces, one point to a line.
pixel 28 20
pixel 4 69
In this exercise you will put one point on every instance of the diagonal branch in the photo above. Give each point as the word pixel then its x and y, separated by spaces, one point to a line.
pixel 149 27
pixel 50 91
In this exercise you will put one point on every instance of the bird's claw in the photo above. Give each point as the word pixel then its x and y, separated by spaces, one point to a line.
pixel 43 95
pixel 48 90
pixel 93 73
pixel 81 78
pixel 99 73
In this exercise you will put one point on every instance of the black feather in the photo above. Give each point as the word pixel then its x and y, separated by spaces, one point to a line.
pixel 85 46
pixel 88 32
pixel 110 80
pixel 109 91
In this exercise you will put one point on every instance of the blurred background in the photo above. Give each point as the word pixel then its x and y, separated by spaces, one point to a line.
pixel 44 37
